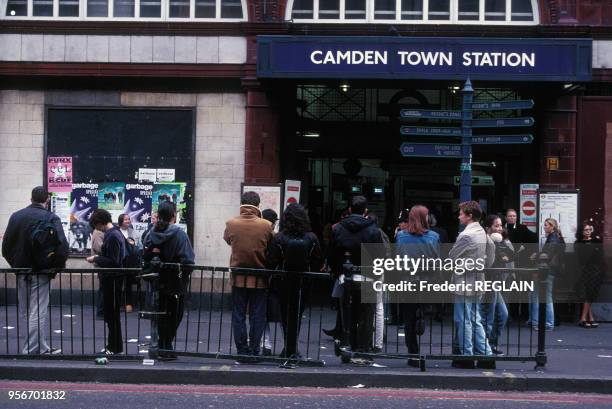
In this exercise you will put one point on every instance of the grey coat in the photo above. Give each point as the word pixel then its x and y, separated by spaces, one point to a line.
pixel 472 243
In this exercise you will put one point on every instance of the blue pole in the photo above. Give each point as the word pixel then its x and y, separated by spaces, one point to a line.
pixel 465 185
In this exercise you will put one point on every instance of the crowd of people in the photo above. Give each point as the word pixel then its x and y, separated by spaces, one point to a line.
pixel 34 240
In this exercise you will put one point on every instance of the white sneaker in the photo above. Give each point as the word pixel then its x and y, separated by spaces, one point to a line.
pixel 53 351
pixel 107 352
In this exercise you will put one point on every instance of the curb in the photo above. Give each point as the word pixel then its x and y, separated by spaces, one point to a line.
pixel 312 378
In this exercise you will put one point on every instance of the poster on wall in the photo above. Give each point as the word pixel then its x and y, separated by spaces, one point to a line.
pixel 292 191
pixel 111 197
pixel 527 211
pixel 175 193
pixel 270 195
pixel 84 199
pixel 138 205
pixel 60 205
pixel 561 206
pixel 59 174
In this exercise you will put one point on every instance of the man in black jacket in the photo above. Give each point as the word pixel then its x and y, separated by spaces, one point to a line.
pixel 33 289
pixel 112 256
pixel 347 237
pixel 170 244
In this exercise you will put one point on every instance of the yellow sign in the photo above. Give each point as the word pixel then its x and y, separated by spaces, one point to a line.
pixel 552 163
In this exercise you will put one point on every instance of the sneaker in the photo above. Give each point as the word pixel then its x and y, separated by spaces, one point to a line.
pixel 166 356
pixel 362 361
pixel 497 351
pixel 266 351
pixel 377 350
pixel 107 351
pixel 593 324
pixel 53 351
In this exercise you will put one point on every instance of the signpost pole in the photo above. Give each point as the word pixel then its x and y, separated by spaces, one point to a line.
pixel 465 187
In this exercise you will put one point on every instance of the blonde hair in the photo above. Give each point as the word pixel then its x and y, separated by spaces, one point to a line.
pixel 555 224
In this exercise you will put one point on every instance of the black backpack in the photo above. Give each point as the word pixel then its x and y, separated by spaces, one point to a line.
pixel 132 257
pixel 297 254
pixel 45 245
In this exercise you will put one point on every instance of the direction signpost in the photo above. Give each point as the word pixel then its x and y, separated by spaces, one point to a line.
pixel 501 139
pixel 463 151
pixel 430 150
pixel 430 131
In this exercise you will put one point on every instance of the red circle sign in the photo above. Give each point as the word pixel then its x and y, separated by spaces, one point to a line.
pixel 529 208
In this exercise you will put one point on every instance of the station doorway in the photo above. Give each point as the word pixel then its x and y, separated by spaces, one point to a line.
pixel 342 140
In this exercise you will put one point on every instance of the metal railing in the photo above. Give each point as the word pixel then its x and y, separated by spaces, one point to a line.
pixel 75 326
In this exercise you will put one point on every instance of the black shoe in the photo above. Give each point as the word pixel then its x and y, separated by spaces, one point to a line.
pixel 166 356
pixel 334 333
pixel 266 352
pixel 415 363
pixel 497 351
pixel 485 364
pixel 376 350
pixel 463 364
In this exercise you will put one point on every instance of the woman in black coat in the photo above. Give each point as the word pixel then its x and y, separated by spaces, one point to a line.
pixel 590 258
pixel 295 249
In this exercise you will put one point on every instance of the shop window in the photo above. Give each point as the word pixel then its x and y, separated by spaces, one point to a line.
pixel 68 8
pixel 179 8
pixel 123 8
pixel 417 11
pixel 150 8
pixel 232 10
pixel 469 9
pixel 412 10
pixel 110 152
pixel 42 8
pixel 97 8
pixel 439 9
pixel 355 9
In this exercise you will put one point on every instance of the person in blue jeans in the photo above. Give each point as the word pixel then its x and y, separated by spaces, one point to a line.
pixel 551 254
pixel 494 311
pixel 474 245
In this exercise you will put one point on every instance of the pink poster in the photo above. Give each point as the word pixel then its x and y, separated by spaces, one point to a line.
pixel 59 173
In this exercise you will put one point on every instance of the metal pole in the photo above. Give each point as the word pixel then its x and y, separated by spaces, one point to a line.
pixel 465 184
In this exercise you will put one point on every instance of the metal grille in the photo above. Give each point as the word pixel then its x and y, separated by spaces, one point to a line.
pixel 323 103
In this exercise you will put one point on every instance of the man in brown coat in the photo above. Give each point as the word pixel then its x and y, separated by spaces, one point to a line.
pixel 248 235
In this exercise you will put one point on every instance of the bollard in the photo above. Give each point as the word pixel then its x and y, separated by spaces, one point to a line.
pixel 542 284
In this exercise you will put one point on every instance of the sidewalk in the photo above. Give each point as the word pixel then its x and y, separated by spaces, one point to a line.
pixel 579 360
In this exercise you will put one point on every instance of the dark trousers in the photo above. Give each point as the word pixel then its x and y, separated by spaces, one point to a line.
pixel 111 290
pixel 255 299
pixel 357 318
pixel 174 307
pixel 410 318
pixel 292 307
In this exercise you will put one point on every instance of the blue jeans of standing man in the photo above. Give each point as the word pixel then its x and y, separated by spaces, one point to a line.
pixel 534 307
pixel 494 317
pixel 255 299
pixel 469 333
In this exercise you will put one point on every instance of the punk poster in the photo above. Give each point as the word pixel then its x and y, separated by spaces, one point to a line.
pixel 84 200
pixel 59 174
pixel 137 206
pixel 60 205
pixel 111 197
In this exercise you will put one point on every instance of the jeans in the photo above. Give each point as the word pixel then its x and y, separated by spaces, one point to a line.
pixel 379 321
pixel 410 326
pixel 34 308
pixel 494 315
pixel 534 307
pixel 357 319
pixel 255 299
pixel 469 333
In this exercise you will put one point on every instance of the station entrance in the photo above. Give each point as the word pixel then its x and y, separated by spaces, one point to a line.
pixel 342 139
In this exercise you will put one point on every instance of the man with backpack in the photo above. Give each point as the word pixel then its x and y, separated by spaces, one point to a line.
pixel 35 239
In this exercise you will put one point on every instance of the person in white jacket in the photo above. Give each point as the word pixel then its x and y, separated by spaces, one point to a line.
pixel 472 244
